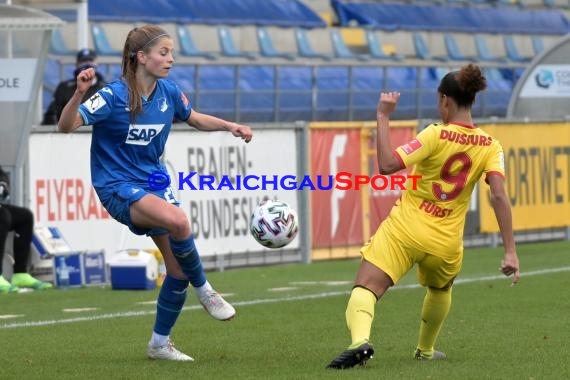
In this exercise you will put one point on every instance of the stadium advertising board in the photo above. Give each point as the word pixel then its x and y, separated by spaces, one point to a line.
pixel 345 219
pixel 61 194
pixel 336 214
pixel 537 166
pixel 547 81
pixel 16 79
pixel 220 218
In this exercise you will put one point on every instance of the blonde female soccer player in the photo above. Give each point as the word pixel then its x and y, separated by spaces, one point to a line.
pixel 131 120
pixel 426 226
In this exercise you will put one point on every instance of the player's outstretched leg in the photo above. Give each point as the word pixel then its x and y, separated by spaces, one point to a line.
pixel 187 256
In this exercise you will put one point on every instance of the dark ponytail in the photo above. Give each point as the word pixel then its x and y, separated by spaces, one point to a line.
pixel 463 85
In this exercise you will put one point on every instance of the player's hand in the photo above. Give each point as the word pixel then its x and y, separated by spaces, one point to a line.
pixel 242 131
pixel 510 266
pixel 387 103
pixel 85 79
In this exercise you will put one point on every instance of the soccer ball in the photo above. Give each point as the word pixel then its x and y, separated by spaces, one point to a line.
pixel 273 223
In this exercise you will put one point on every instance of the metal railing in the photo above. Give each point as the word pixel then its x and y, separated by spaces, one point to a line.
pixel 352 95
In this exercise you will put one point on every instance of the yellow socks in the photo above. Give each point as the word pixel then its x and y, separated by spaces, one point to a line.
pixel 360 314
pixel 435 309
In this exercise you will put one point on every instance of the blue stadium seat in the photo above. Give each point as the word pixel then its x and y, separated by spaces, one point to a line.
pixel 115 72
pixel 495 99
pixel 333 93
pixel 404 80
pixel 428 81
pixel 257 93
pixel 422 50
pixel 367 83
pixel 453 50
pixel 469 18
pixel 184 76
pixel 51 78
pixel 375 48
pixel 512 51
pixel 187 46
pixel 267 48
pixel 101 42
pixel 58 46
pixel 216 91
pixel 483 51
pixel 286 13
pixel 295 93
pixel 304 47
pixel 228 46
pixel 52 73
pixel 537 45
pixel 340 48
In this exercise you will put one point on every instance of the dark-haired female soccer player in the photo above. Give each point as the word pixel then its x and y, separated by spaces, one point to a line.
pixel 131 120
pixel 426 226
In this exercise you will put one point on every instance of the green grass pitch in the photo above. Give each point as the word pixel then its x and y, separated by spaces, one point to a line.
pixel 290 324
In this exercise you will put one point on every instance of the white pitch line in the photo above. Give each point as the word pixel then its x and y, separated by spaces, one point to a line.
pixel 263 301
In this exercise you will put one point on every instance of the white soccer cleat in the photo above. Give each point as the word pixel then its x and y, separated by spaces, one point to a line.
pixel 167 352
pixel 217 307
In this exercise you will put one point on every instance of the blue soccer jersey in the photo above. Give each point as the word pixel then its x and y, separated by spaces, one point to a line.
pixel 125 152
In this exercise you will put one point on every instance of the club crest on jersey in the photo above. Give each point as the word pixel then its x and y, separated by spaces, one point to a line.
pixel 94 103
pixel 142 134
pixel 163 105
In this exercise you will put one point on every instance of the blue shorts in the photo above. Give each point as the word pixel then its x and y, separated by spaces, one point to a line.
pixel 118 203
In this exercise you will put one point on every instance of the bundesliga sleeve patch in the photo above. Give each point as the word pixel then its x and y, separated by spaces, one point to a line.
pixel 94 103
pixel 411 147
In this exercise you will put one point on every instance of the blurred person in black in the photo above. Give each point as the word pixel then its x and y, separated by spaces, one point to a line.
pixel 21 221
pixel 86 58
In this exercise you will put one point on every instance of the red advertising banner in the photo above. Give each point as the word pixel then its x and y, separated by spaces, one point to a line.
pixel 381 201
pixel 342 220
pixel 336 214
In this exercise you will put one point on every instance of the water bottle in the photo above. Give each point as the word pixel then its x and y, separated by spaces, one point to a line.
pixel 63 273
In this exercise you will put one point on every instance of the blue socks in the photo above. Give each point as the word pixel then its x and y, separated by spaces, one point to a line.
pixel 169 304
pixel 187 256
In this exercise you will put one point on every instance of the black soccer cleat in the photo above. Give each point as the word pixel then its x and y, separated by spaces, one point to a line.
pixel 355 356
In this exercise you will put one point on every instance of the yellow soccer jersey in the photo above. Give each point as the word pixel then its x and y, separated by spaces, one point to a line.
pixel 451 158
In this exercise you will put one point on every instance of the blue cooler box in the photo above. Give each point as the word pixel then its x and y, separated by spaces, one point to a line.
pixel 133 269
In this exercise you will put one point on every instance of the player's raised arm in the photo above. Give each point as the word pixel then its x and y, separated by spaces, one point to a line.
pixel 70 118
pixel 204 122
pixel 387 162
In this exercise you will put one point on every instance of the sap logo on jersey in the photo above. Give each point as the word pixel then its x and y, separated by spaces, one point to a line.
pixel 142 134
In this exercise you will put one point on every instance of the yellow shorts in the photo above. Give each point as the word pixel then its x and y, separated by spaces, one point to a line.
pixel 395 257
